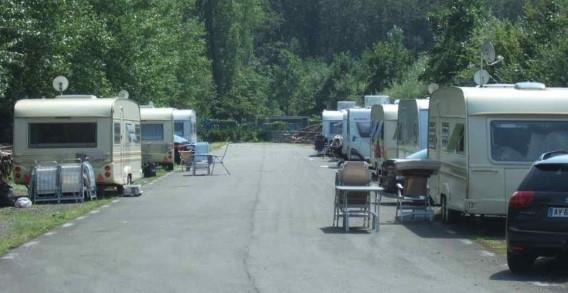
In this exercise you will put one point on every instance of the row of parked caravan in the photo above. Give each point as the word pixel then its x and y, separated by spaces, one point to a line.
pixel 118 136
pixel 486 139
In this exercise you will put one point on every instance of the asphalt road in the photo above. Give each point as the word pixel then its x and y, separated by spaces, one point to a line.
pixel 265 228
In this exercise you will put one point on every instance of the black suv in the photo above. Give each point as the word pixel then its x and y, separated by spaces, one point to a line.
pixel 537 220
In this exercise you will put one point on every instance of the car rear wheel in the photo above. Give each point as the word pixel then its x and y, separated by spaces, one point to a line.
pixel 520 262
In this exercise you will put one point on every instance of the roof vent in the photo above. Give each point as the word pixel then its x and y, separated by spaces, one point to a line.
pixel 529 85
pixel 76 97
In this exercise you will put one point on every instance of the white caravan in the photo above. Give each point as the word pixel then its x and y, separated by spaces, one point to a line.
pixel 105 130
pixel 157 135
pixel 383 143
pixel 331 124
pixel 412 127
pixel 356 133
pixel 486 140
pixel 185 125
pixel 344 105
pixel 371 100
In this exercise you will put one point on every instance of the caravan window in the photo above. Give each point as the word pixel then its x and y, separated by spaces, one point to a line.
pixel 117 133
pixel 152 131
pixel 137 131
pixel 178 128
pixel 525 141
pixel 432 135
pixel 456 143
pixel 364 128
pixel 131 134
pixel 63 135
pixel 335 127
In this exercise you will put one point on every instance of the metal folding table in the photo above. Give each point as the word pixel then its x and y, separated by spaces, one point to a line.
pixel 345 210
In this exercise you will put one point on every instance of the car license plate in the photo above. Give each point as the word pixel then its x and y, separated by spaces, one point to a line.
pixel 558 212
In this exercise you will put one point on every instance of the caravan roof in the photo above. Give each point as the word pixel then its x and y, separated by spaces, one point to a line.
pixel 74 106
pixel 331 115
pixel 386 111
pixel 184 114
pixel 156 114
pixel 456 101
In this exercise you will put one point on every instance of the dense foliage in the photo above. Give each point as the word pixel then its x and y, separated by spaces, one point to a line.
pixel 248 59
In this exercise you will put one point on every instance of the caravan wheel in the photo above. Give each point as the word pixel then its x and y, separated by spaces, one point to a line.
pixel 449 216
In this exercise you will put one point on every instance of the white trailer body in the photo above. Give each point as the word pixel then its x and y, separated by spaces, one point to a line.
pixel 344 105
pixel 157 135
pixel 486 140
pixel 106 131
pixel 371 100
pixel 383 143
pixel 185 124
pixel 331 124
pixel 357 133
pixel 412 128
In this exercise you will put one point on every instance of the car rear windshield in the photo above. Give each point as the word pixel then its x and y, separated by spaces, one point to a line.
pixel 63 135
pixel 546 177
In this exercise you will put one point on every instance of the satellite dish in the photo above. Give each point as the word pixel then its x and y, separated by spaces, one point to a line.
pixel 123 94
pixel 481 77
pixel 60 83
pixel 488 52
pixel 433 87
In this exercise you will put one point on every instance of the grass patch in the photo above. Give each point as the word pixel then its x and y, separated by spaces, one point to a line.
pixel 18 226
pixel 216 145
pixel 498 246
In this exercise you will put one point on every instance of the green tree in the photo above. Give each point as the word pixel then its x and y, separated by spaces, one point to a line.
pixel 453 25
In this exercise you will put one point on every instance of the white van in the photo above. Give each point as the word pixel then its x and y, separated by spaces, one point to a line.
pixel 383 143
pixel 158 136
pixel 487 138
pixel 105 130
pixel 371 100
pixel 412 127
pixel 344 105
pixel 185 125
pixel 331 124
pixel 356 133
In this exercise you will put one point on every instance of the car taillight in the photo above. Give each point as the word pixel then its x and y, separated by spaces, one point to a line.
pixel 521 199
pixel 26 179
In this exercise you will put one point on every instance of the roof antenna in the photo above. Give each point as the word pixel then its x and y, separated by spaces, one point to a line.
pixel 60 84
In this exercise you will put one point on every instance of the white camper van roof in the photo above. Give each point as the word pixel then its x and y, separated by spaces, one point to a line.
pixel 157 114
pixel 456 101
pixel 186 114
pixel 76 106
pixel 331 115
pixel 388 112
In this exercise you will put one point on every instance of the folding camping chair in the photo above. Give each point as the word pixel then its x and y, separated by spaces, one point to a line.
pixel 201 158
pixel 353 191
pixel 186 158
pixel 413 200
pixel 219 160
